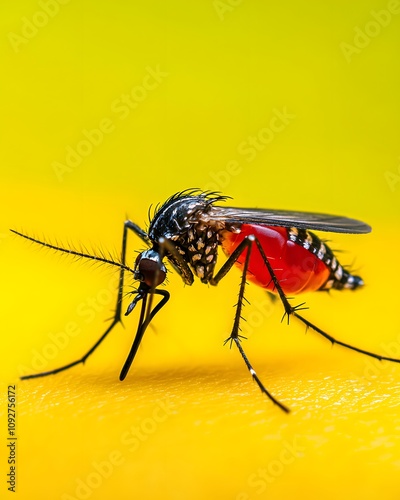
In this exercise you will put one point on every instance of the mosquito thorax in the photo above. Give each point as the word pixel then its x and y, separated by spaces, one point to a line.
pixel 149 268
pixel 184 220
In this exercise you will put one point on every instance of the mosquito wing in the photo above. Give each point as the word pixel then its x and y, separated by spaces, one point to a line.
pixel 288 218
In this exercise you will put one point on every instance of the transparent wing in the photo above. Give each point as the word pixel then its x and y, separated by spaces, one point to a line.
pixel 288 218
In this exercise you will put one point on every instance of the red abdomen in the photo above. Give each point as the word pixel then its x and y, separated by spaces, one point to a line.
pixel 297 269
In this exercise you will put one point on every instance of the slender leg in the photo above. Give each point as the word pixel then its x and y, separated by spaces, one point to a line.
pixel 234 336
pixel 117 315
pixel 255 377
pixel 292 310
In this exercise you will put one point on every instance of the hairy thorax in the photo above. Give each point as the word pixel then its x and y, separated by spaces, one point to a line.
pixel 185 222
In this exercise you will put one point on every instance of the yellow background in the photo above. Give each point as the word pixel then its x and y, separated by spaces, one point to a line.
pixel 188 422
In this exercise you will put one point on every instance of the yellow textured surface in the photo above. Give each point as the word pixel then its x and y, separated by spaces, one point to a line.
pixel 108 107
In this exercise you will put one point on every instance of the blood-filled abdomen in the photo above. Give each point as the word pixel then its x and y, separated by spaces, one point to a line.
pixel 297 268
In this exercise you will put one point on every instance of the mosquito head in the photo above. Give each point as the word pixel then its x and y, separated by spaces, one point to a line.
pixel 149 268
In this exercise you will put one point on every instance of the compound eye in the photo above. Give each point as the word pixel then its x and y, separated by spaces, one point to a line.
pixel 149 269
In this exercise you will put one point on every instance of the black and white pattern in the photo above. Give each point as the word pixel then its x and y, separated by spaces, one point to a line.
pixel 183 220
pixel 339 278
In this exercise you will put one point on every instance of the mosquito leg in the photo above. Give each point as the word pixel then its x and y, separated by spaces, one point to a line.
pixel 81 360
pixel 239 305
pixel 128 225
pixel 234 336
pixel 343 344
pixel 255 377
pixel 246 243
pixel 289 309
pixel 292 311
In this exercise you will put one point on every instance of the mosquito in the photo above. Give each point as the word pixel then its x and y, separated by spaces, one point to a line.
pixel 274 249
